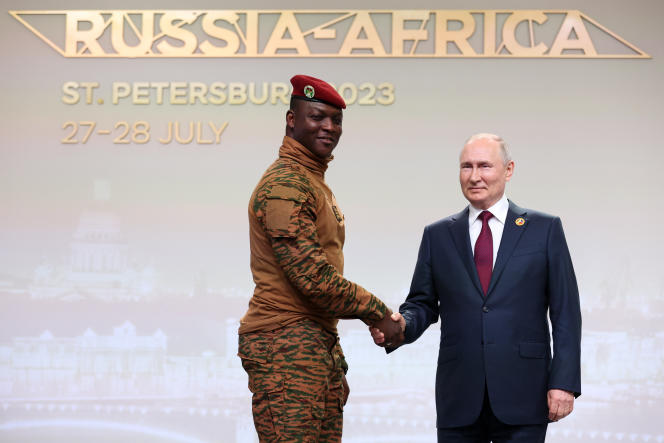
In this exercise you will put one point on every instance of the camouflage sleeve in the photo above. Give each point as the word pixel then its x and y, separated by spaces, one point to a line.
pixel 288 214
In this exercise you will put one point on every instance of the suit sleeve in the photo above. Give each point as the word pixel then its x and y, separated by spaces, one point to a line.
pixel 421 306
pixel 565 314
pixel 288 214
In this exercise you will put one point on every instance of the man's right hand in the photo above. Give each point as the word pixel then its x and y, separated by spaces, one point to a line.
pixel 389 331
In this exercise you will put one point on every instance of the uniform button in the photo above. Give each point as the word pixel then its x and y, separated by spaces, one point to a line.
pixel 485 309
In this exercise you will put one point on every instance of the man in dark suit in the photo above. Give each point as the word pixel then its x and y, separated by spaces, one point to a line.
pixel 491 273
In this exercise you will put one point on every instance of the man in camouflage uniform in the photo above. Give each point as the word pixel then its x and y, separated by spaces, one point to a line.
pixel 288 339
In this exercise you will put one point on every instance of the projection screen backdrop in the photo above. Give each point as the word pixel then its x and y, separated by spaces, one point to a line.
pixel 125 179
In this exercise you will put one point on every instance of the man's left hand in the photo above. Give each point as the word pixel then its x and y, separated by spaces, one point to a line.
pixel 346 388
pixel 560 403
pixel 397 339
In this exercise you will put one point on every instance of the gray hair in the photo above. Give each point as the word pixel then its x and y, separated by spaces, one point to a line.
pixel 504 152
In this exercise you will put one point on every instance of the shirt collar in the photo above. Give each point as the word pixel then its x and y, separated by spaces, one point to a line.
pixel 499 211
pixel 294 150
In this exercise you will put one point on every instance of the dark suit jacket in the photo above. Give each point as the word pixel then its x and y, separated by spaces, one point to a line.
pixel 501 341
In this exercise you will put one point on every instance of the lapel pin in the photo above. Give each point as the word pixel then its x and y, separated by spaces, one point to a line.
pixel 520 221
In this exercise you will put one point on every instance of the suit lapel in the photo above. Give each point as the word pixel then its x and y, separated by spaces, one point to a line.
pixel 459 231
pixel 511 235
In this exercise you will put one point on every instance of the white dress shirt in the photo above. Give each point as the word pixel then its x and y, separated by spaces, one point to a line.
pixel 496 224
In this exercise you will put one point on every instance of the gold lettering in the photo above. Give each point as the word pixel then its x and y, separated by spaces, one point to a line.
pixel 178 137
pixel 169 135
pixel 400 35
pixel 199 135
pixel 231 38
pixel 353 92
pixel 489 34
pixel 160 86
pixel 218 95
pixel 237 93
pixel 197 91
pixel 387 96
pixel 509 34
pixel 171 29
pixel 120 90
pixel 140 93
pixel 218 131
pixel 88 37
pixel 178 93
pixel 252 94
pixel 236 33
pixel 70 91
pixel 279 91
pixel 362 23
pixel 145 37
pixel 250 40
pixel 458 37
pixel 573 22
pixel 277 41
pixel 89 87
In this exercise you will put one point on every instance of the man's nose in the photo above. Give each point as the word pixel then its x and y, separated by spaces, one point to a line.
pixel 475 175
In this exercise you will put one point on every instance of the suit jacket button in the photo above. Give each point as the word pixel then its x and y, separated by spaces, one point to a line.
pixel 485 309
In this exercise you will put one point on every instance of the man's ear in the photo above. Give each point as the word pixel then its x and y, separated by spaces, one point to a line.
pixel 509 170
pixel 290 119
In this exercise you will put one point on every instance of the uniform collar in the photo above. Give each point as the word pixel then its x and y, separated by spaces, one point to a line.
pixel 294 150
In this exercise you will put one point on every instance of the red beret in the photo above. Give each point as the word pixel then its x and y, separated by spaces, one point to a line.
pixel 316 90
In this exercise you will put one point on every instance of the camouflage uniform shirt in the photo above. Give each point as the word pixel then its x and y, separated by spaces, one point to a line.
pixel 296 235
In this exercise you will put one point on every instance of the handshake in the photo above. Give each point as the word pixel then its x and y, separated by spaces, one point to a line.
pixel 389 331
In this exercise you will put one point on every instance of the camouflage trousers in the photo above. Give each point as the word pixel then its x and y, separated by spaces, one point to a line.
pixel 295 376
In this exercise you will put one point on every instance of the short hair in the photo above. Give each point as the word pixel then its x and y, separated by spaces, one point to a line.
pixel 504 152
pixel 292 104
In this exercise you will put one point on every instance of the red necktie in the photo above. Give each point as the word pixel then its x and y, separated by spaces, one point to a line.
pixel 484 251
